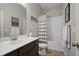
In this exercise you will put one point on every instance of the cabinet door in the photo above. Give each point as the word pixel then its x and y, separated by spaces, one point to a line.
pixel 23 51
pixel 25 54
pixel 33 51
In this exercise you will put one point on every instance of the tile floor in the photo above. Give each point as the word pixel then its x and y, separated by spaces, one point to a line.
pixel 54 53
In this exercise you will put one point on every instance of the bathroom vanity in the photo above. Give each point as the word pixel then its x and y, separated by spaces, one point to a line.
pixel 26 47
pixel 14 39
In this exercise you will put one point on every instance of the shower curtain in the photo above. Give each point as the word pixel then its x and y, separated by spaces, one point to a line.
pixel 42 33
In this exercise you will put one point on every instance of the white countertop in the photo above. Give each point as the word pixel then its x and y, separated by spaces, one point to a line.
pixel 9 46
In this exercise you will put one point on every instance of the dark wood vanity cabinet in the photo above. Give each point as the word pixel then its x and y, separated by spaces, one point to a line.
pixel 33 51
pixel 30 49
pixel 14 53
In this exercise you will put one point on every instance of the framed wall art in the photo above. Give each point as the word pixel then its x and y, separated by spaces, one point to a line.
pixel 14 21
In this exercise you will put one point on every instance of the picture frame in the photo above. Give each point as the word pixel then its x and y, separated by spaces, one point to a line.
pixel 14 21
pixel 67 13
pixel 33 18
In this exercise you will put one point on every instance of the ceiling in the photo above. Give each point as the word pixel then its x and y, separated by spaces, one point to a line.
pixel 50 6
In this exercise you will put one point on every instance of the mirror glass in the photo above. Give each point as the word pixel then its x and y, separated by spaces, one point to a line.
pixel 12 19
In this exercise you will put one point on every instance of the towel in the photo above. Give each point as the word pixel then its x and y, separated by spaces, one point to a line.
pixel 66 36
pixel 69 36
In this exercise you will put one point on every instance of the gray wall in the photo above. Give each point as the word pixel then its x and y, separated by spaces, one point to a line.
pixel 33 9
pixel 15 10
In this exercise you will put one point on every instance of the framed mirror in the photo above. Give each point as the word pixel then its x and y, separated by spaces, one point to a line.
pixel 12 14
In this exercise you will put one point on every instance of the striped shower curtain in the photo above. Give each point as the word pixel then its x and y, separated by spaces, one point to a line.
pixel 42 33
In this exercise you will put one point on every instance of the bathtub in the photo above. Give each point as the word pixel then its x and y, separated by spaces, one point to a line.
pixel 54 45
